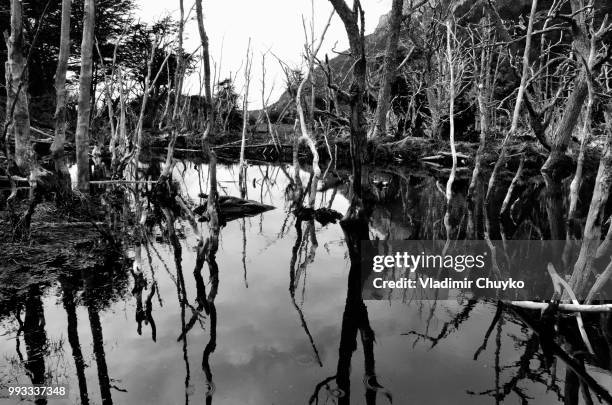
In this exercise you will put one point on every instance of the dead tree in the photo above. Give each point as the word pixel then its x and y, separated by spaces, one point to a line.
pixel 17 89
pixel 584 38
pixel 306 135
pixel 354 25
pixel 591 248
pixel 212 205
pixel 390 64
pixel 434 75
pixel 586 135
pixel 84 103
pixel 451 115
pixel 206 62
pixel 485 87
pixel 264 104
pixel 57 148
pixel 245 104
pixel 517 105
pixel 145 99
pixel 178 88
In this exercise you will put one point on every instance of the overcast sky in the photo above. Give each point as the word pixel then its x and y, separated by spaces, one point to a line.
pixel 274 25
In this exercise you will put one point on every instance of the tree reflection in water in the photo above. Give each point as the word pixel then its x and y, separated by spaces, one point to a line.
pixel 529 351
pixel 298 268
pixel 355 318
pixel 68 299
pixel 35 338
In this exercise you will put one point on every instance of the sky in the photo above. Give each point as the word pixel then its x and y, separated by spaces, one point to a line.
pixel 272 25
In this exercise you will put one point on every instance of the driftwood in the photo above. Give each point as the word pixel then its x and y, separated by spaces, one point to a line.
pixel 122 182
pixel 446 159
pixel 231 208
pixel 562 307
pixel 261 145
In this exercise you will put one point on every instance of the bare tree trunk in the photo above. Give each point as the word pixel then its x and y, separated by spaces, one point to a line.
pixel 592 228
pixel 517 106
pixel 484 96
pixel 57 148
pixel 308 137
pixel 122 142
pixel 451 118
pixel 162 120
pixel 264 104
pixel 451 113
pixel 311 117
pixel 353 21
pixel 575 101
pixel 389 69
pixel 245 103
pixel 206 62
pixel 84 105
pixel 17 89
pixel 212 205
pixel 178 88
pixel 568 122
pixel 586 135
pixel 143 106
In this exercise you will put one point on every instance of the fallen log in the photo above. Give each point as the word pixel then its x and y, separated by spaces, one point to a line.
pixel 562 307
pixel 261 145
pixel 123 181
pixel 39 225
pixel 445 159
pixel 231 208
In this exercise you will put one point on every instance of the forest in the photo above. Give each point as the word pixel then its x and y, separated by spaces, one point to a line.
pixel 453 121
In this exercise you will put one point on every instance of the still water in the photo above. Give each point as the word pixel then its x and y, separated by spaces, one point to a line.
pixel 274 333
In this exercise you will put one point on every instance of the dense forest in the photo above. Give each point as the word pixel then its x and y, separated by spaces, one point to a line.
pixel 477 120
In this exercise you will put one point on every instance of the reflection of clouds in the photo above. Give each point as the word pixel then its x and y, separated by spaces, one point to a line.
pixel 263 355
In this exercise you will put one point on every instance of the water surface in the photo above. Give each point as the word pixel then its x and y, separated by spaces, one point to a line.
pixel 275 331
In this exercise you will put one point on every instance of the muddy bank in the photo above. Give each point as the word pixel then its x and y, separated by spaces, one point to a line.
pixel 62 240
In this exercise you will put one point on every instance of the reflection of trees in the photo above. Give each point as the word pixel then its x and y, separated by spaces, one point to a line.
pixel 98 339
pixel 295 274
pixel 212 312
pixel 180 289
pixel 448 327
pixel 93 275
pixel 143 313
pixel 205 252
pixel 355 319
pixel 35 338
pixel 548 342
pixel 577 378
pixel 68 300
pixel 410 205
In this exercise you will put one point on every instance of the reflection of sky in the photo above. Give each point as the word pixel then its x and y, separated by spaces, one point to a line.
pixel 263 355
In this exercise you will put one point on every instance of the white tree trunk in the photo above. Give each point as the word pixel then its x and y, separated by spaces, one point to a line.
pixel 17 89
pixel 84 103
pixel 57 148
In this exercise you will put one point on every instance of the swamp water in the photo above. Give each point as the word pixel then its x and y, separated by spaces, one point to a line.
pixel 274 331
